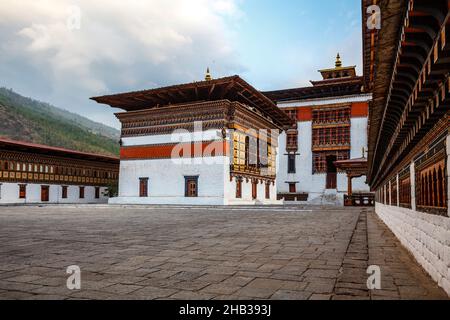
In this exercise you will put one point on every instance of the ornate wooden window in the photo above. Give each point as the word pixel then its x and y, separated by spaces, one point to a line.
pixel 247 151
pixel 292 140
pixel 405 188
pixel 22 191
pixel 292 113
pixel 64 192
pixel 251 155
pixel 291 163
pixel 267 190
pixel 81 192
pixel 191 187
pixel 329 116
pixel 332 136
pixel 394 189
pixel 431 180
pixel 143 187
pixel 320 159
pixel 238 188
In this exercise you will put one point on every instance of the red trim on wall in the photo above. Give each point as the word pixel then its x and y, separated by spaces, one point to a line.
pixel 179 150
pixel 360 109
pixel 304 114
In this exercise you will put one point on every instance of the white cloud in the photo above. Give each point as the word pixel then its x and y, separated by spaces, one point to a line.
pixel 121 45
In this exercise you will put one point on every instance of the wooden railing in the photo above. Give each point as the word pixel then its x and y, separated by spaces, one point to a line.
pixel 360 200
pixel 293 196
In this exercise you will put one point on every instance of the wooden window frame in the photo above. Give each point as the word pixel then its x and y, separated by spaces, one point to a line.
pixel 22 191
pixel 64 192
pixel 187 190
pixel 143 187
pixel 292 140
pixel 291 163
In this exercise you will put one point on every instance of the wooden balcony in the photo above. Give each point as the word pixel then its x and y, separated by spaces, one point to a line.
pixel 253 170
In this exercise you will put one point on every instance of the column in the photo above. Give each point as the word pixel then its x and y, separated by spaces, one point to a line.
pixel 412 171
pixel 390 193
pixel 349 184
pixel 398 192
pixel 448 173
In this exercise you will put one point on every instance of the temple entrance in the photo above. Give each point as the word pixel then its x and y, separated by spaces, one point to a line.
pixel 331 172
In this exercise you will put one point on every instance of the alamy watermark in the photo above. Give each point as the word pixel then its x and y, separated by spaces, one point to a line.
pixel 374 20
pixel 74 280
pixel 374 280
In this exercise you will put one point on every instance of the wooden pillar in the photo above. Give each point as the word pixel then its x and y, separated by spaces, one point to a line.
pixel 448 174
pixel 412 171
pixel 398 191
pixel 389 193
pixel 349 185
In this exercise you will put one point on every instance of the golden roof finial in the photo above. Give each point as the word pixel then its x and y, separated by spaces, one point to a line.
pixel 338 61
pixel 208 75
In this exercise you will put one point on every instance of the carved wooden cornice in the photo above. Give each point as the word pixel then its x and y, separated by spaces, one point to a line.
pixel 213 115
pixel 18 156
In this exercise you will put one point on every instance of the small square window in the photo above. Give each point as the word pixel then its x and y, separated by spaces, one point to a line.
pixel 191 187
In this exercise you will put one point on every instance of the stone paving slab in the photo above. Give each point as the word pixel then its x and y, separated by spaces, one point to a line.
pixel 291 253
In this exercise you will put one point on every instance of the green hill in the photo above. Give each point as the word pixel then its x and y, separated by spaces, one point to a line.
pixel 29 120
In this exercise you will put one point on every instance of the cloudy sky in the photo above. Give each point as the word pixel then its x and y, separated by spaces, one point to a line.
pixel 65 51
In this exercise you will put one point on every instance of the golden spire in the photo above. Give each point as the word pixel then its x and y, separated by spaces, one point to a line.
pixel 208 75
pixel 338 61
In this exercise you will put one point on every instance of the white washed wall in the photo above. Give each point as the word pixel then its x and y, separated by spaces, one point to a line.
pixel 166 183
pixel 358 134
pixel 166 177
pixel 208 135
pixel 426 236
pixel 315 184
pixel 9 194
pixel 247 198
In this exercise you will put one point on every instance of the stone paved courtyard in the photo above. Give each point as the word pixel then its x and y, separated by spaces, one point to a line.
pixel 203 253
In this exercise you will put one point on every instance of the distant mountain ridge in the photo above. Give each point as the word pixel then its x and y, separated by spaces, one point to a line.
pixel 29 120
